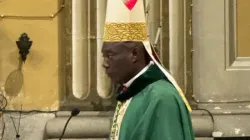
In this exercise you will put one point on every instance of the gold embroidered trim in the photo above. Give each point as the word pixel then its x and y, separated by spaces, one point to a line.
pixel 118 117
pixel 114 128
pixel 133 31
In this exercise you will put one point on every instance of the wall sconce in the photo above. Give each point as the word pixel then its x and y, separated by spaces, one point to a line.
pixel 24 45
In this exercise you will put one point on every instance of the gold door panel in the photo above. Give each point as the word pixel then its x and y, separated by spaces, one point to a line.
pixel 243 28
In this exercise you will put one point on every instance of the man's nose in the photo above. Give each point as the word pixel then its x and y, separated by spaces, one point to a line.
pixel 105 64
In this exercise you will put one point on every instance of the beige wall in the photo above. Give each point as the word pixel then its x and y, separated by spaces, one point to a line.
pixel 243 27
pixel 40 88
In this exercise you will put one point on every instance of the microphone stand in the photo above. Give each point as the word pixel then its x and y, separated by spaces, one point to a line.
pixel 74 112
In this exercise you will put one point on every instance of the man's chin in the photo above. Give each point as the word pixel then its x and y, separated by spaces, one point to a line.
pixel 115 81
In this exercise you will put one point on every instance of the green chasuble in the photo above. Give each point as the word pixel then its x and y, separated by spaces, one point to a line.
pixel 151 109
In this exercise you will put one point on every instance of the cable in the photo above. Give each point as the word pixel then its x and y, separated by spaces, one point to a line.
pixel 24 113
pixel 210 114
pixel 14 124
pixel 3 102
pixel 223 102
pixel 29 111
pixel 20 114
pixel 2 134
pixel 51 16
pixel 64 129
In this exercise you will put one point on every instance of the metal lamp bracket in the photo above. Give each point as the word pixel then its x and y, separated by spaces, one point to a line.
pixel 24 45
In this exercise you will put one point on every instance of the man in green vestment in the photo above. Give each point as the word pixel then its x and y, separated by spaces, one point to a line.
pixel 151 106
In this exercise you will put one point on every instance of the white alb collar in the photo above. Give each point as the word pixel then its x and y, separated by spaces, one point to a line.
pixel 137 75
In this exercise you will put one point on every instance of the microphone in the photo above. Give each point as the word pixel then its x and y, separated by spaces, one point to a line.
pixel 74 112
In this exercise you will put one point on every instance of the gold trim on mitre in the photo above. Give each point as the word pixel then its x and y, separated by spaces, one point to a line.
pixel 130 31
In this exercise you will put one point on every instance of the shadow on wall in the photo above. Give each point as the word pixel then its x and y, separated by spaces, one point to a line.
pixel 8 57
pixel 20 86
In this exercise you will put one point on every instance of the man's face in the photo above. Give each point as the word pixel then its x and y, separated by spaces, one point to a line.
pixel 117 62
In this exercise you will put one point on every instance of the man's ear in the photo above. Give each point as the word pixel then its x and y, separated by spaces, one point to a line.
pixel 135 54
